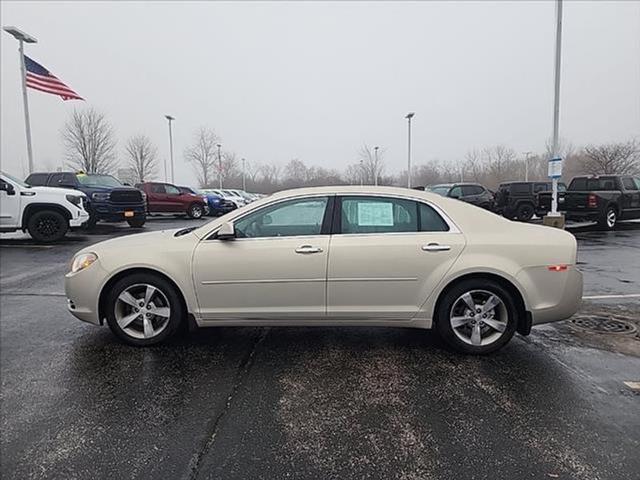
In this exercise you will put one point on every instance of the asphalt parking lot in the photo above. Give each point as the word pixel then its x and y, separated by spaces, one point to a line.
pixel 318 402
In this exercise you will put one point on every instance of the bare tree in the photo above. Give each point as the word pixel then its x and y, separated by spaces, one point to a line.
pixel 89 142
pixel 231 174
pixel 142 158
pixel 621 158
pixel 372 164
pixel 203 156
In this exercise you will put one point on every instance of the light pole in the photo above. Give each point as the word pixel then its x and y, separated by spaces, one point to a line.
pixel 219 166
pixel 361 172
pixel 409 116
pixel 170 119
pixel 555 163
pixel 526 165
pixel 244 184
pixel 23 37
pixel 375 170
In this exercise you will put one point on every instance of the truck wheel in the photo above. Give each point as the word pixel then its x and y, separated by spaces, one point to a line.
pixel 609 220
pixel 525 212
pixel 195 210
pixel 137 222
pixel 47 226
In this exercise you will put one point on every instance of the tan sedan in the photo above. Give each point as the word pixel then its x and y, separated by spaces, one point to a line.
pixel 374 256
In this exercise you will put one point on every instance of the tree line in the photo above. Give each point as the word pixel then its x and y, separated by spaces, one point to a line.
pixel 90 145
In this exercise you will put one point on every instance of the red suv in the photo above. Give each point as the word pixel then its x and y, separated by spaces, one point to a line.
pixel 167 198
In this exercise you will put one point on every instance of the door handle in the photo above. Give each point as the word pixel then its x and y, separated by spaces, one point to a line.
pixel 304 249
pixel 435 247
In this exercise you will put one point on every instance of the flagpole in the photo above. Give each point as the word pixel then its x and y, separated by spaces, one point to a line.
pixel 27 122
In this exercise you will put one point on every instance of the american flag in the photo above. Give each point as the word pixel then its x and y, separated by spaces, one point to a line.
pixel 41 79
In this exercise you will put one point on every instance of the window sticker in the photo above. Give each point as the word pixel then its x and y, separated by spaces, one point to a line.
pixel 375 214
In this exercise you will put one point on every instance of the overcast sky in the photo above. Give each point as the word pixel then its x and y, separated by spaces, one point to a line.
pixel 315 81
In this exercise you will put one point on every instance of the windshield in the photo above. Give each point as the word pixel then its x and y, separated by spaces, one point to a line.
pixel 15 180
pixel 440 190
pixel 98 180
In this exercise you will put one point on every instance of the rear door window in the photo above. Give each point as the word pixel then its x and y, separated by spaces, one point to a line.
pixel 629 184
pixel 157 188
pixel 468 190
pixel 520 188
pixel 38 179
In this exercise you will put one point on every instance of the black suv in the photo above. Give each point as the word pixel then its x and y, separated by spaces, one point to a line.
pixel 108 199
pixel 473 193
pixel 519 199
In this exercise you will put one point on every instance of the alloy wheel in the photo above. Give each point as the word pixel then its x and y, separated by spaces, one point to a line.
pixel 611 218
pixel 48 226
pixel 142 311
pixel 479 317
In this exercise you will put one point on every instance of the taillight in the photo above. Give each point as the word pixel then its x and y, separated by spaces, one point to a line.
pixel 558 268
pixel 592 201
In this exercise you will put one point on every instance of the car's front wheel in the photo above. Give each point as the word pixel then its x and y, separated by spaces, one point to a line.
pixel 195 210
pixel 47 226
pixel 144 309
pixel 477 316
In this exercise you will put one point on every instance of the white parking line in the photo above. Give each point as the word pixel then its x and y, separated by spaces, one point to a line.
pixel 607 297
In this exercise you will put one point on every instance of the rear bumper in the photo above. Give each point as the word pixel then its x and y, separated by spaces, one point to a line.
pixel 552 296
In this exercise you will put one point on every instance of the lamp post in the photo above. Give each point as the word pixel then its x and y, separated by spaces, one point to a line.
pixel 219 166
pixel 526 165
pixel 409 116
pixel 244 183
pixel 170 119
pixel 556 108
pixel 23 38
pixel 361 172
pixel 375 172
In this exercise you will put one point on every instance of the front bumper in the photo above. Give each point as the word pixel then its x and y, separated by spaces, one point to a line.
pixel 83 292
pixel 78 217
pixel 116 212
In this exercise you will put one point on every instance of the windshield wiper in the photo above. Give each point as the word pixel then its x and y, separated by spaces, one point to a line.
pixel 184 231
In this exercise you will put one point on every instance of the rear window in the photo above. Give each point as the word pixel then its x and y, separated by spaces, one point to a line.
pixel 593 184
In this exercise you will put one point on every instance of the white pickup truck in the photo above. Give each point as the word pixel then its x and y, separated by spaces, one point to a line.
pixel 46 213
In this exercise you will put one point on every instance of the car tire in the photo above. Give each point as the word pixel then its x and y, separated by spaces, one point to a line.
pixel 143 327
pixel 470 332
pixel 609 219
pixel 525 212
pixel 195 210
pixel 137 222
pixel 47 226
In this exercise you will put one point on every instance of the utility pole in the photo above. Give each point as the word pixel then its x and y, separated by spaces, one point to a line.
pixel 409 116
pixel 170 119
pixel 23 38
pixel 219 166
pixel 361 173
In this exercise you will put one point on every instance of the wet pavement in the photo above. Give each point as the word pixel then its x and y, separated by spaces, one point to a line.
pixel 266 403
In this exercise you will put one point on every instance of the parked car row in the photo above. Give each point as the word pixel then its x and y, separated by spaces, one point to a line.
pixel 605 199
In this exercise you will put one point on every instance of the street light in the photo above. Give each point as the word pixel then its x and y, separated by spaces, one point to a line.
pixel 23 38
pixel 170 119
pixel 219 166
pixel 244 184
pixel 409 116
pixel 375 173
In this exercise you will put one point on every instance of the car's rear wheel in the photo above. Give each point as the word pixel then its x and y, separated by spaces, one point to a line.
pixel 477 316
pixel 525 212
pixel 195 210
pixel 609 220
pixel 47 226
pixel 144 309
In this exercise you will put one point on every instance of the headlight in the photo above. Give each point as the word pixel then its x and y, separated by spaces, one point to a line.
pixel 75 199
pixel 100 196
pixel 82 261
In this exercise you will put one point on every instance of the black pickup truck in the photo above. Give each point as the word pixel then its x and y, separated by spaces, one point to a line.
pixel 606 199
pixel 108 199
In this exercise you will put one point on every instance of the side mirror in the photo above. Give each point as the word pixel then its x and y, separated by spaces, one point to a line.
pixel 227 232
pixel 7 187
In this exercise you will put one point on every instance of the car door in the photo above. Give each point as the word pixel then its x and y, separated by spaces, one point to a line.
pixel 174 200
pixel 157 198
pixel 387 255
pixel 630 198
pixel 275 268
pixel 9 204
